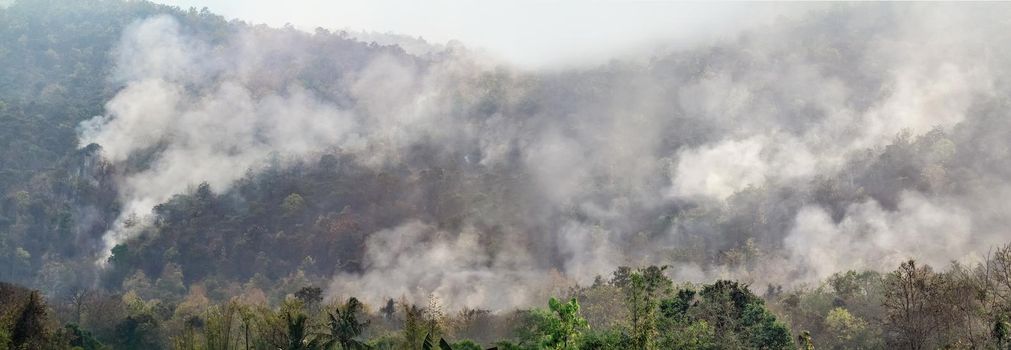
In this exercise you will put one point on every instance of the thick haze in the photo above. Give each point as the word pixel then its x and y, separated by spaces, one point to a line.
pixel 848 137
pixel 529 33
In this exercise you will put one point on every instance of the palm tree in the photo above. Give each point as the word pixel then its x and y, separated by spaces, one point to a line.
pixel 298 337
pixel 343 327
pixel 427 344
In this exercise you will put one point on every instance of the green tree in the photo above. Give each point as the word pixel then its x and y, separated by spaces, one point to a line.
pixel 298 332
pixel 806 343
pixel 139 331
pixel 293 204
pixel 845 330
pixel 5 337
pixel 343 327
pixel 724 314
pixel 219 327
pixel 465 345
pixel 690 335
pixel 414 328
pixel 80 339
pixel 763 331
pixel 643 290
pixel 29 329
pixel 561 326
pixel 1001 333
pixel 288 328
pixel 170 285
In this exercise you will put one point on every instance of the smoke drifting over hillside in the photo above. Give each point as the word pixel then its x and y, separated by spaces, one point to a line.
pixel 845 138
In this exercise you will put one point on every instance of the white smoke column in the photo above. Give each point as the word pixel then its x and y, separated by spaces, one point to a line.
pixel 415 260
pixel 870 238
pixel 213 133
pixel 937 65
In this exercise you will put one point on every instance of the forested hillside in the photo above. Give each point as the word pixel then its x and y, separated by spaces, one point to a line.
pixel 173 179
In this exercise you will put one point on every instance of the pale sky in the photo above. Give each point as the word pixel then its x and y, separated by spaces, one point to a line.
pixel 529 33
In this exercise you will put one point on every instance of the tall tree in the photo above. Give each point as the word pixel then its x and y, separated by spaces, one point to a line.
pixel 908 300
pixel 29 331
pixel 643 290
pixel 343 327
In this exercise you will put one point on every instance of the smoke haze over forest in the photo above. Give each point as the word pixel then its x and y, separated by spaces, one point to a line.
pixel 746 133
pixel 176 153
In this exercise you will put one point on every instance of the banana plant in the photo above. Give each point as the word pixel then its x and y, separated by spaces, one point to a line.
pixel 443 344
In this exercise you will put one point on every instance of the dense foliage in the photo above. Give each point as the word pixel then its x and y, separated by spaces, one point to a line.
pixel 912 307
pixel 722 315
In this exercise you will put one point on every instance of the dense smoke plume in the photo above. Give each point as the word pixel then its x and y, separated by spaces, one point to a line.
pixel 849 137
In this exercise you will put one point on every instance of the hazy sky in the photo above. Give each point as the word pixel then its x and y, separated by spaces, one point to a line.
pixel 526 32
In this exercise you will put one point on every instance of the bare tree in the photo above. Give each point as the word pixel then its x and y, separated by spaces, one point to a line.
pixel 909 306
